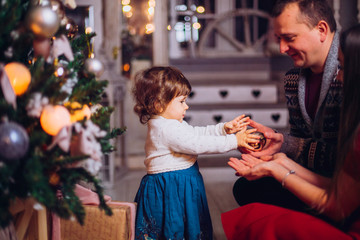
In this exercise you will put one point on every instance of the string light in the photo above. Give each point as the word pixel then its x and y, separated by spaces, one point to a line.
pixel 125 2
pixel 127 8
pixel 196 25
pixel 200 9
pixel 151 11
pixel 88 30
pixel 149 28
pixel 126 67
pixel 151 3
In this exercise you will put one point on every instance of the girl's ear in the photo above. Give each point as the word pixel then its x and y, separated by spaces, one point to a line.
pixel 158 107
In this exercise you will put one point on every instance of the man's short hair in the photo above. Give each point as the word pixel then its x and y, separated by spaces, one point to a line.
pixel 313 11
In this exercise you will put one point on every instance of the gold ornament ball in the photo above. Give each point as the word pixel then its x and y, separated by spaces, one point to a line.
pixel 257 146
pixel 262 141
pixel 93 66
pixel 43 21
pixel 54 118
pixel 80 114
pixel 19 77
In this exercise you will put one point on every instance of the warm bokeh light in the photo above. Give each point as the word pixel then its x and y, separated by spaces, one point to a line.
pixel 196 25
pixel 126 8
pixel 128 14
pixel 151 3
pixel 126 67
pixel 19 77
pixel 168 27
pixel 80 114
pixel 54 118
pixel 200 9
pixel 88 30
pixel 59 72
pixel 149 28
pixel 125 2
pixel 151 11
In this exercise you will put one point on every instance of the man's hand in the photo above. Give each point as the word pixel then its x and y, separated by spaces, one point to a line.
pixel 273 140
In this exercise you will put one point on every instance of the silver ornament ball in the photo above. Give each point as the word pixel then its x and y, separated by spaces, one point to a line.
pixel 93 66
pixel 43 21
pixel 14 142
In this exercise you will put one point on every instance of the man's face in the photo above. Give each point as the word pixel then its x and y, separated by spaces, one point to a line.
pixel 297 39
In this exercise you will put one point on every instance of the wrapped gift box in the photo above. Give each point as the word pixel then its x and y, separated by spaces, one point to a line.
pixel 99 226
pixel 31 224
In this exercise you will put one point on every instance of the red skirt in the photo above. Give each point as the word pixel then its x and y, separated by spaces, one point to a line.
pixel 267 222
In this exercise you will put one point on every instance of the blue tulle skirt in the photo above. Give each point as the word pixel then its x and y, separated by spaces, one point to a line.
pixel 173 205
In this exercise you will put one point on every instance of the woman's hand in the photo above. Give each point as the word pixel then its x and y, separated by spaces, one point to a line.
pixel 237 124
pixel 250 167
pixel 282 159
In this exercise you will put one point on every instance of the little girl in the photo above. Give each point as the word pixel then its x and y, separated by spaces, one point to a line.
pixel 171 200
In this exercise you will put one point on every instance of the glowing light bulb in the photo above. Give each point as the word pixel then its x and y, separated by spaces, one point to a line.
pixel 200 9
pixel 54 118
pixel 127 8
pixel 196 25
pixel 150 28
pixel 19 77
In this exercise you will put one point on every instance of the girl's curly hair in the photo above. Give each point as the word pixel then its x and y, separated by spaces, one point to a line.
pixel 155 87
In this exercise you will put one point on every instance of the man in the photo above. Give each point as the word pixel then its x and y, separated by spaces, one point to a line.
pixel 306 31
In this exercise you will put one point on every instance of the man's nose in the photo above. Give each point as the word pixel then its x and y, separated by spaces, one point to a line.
pixel 284 47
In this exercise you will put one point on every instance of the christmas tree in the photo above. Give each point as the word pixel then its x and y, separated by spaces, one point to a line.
pixel 53 130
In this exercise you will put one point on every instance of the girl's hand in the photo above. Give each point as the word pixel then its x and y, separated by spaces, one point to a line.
pixel 237 124
pixel 245 136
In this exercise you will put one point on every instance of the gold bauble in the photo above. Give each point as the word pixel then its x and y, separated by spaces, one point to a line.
pixel 80 114
pixel 257 146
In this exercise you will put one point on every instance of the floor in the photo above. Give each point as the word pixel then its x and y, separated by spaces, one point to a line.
pixel 218 183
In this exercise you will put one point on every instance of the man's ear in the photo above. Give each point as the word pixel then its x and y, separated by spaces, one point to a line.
pixel 324 30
